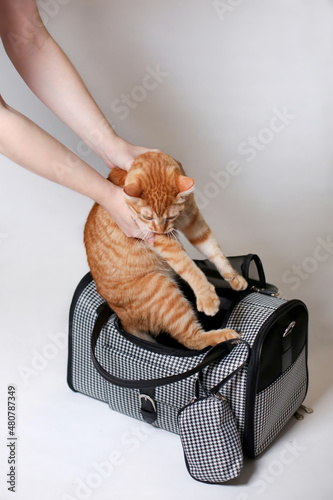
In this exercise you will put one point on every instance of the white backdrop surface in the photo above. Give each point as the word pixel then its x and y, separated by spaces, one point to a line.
pixel 241 93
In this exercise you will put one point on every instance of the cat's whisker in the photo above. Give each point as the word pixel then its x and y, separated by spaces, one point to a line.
pixel 173 233
pixel 148 233
pixel 142 231
pixel 137 236
pixel 137 233
pixel 145 232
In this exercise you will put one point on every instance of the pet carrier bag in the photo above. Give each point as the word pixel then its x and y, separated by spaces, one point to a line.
pixel 224 401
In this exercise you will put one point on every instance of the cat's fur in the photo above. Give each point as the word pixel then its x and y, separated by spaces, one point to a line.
pixel 137 278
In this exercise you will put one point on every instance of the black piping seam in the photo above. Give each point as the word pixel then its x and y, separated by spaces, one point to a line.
pixel 200 480
pixel 80 287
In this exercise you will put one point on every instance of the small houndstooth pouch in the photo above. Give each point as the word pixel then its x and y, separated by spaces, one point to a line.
pixel 210 438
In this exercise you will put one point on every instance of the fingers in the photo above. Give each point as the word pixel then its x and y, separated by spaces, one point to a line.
pixel 124 153
pixel 126 218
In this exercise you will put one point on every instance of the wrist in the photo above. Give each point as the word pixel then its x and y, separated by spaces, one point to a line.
pixel 116 152
pixel 103 140
pixel 122 153
pixel 111 148
pixel 106 196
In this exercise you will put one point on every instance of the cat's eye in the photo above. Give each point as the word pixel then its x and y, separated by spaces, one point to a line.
pixel 172 217
pixel 147 217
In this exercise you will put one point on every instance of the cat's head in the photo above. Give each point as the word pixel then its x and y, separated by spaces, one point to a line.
pixel 156 190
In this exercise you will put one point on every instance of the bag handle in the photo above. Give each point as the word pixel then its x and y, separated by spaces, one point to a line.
pixel 241 262
pixel 251 257
pixel 219 351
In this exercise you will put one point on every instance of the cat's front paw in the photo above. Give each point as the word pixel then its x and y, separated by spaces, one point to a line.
pixel 211 338
pixel 208 302
pixel 223 335
pixel 236 281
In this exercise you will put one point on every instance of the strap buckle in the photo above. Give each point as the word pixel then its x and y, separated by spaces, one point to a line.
pixel 148 408
pixel 148 398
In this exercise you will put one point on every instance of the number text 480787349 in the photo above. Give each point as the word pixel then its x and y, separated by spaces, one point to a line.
pixel 12 440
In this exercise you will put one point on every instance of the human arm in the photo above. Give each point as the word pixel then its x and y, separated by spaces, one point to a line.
pixel 25 143
pixel 51 76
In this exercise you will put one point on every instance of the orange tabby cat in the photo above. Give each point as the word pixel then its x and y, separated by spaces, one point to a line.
pixel 137 278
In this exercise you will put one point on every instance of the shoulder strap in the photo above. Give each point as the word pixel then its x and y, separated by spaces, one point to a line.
pixel 217 387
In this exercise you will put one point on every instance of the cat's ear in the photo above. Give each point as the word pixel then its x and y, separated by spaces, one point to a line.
pixel 134 189
pixel 185 185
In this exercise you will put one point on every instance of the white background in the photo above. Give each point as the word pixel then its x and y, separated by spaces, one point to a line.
pixel 227 73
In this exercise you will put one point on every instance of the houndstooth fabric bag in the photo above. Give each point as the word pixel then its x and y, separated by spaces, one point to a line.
pixel 152 382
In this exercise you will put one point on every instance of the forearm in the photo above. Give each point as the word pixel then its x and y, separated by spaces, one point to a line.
pixel 31 147
pixel 34 149
pixel 50 75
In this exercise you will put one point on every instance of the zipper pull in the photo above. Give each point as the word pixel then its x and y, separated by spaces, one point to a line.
pixel 264 291
pixel 219 396
pixel 307 409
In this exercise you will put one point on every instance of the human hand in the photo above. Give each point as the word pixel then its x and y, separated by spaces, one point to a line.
pixel 125 219
pixel 124 153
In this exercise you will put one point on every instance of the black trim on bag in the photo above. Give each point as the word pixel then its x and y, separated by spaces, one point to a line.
pixel 253 373
pixel 201 480
pixel 87 278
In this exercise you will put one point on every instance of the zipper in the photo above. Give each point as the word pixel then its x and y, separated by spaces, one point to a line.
pixel 242 295
pixel 190 403
pixel 194 400
pixel 265 291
